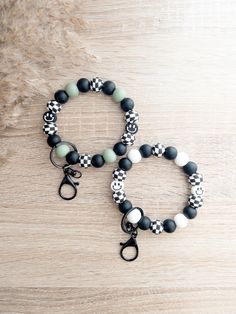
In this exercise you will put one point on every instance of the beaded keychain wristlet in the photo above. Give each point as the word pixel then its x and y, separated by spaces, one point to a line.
pixel 67 150
pixel 134 217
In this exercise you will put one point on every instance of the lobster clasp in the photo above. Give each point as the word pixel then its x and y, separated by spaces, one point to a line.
pixel 132 242
pixel 68 174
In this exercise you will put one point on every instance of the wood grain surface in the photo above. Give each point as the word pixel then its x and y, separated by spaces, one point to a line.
pixel 176 59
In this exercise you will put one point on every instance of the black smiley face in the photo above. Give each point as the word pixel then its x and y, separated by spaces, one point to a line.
pixel 49 116
pixel 131 128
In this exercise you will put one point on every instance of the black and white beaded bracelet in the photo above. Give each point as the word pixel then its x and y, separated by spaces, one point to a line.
pixel 68 151
pixel 134 217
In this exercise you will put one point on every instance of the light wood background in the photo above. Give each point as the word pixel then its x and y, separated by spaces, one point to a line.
pixel 177 60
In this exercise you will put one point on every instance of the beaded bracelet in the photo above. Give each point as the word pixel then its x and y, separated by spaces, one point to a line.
pixel 134 217
pixel 67 150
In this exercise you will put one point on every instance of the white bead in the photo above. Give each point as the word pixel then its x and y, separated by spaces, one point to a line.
pixel 134 216
pixel 134 156
pixel 198 190
pixel 117 185
pixel 182 159
pixel 180 220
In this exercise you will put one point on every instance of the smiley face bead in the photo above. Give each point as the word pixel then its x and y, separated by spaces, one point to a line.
pixel 49 117
pixel 198 190
pixel 117 185
pixel 131 128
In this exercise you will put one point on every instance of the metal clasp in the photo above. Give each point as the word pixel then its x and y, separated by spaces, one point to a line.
pixel 132 242
pixel 68 174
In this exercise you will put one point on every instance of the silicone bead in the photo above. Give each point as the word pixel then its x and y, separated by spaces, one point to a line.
pixel 170 153
pixel 144 223
pixel 96 84
pixel 97 161
pixel 158 150
pixel 190 168
pixel 53 140
pixel 198 190
pixel 169 225
pixel 134 216
pixel 72 157
pixel 61 96
pixel 146 150
pixel 125 164
pixel 119 196
pixel 49 117
pixel 134 156
pixel 127 104
pixel 119 174
pixel 127 139
pixel 117 185
pixel 62 150
pixel 108 87
pixel 83 85
pixel 180 220
pixel 109 155
pixel 119 94
pixel 131 128
pixel 181 159
pixel 195 179
pixel 195 201
pixel 190 212
pixel 72 89
pixel 120 149
pixel 50 128
pixel 156 226
pixel 125 206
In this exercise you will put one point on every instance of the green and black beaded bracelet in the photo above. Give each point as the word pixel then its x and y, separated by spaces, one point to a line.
pixel 68 151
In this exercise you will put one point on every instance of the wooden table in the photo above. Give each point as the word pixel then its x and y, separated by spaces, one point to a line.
pixel 177 60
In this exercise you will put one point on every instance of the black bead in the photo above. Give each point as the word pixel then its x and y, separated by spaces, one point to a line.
pixel 108 87
pixel 127 104
pixel 53 140
pixel 72 157
pixel 61 96
pixel 169 225
pixel 170 153
pixel 97 161
pixel 144 223
pixel 131 128
pixel 190 212
pixel 125 164
pixel 190 168
pixel 120 149
pixel 49 116
pixel 125 206
pixel 145 150
pixel 83 85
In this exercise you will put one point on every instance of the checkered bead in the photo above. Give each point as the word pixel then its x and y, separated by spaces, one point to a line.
pixel 50 128
pixel 128 139
pixel 131 116
pixel 156 226
pixel 54 106
pixel 119 174
pixel 195 179
pixel 158 150
pixel 195 201
pixel 119 196
pixel 85 160
pixel 96 84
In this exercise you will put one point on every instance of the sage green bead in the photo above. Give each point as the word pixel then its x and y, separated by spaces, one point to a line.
pixel 119 94
pixel 72 89
pixel 62 150
pixel 109 155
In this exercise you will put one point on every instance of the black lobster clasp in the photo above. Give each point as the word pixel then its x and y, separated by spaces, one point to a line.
pixel 132 242
pixel 68 174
